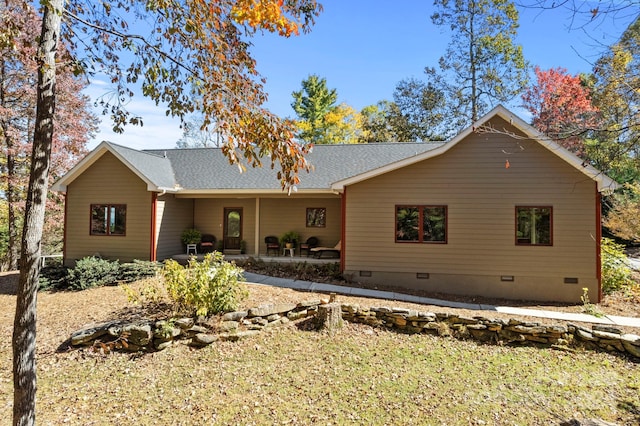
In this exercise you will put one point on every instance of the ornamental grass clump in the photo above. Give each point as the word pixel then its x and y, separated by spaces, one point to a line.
pixel 205 288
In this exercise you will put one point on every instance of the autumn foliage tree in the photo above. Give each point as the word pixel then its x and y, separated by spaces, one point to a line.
pixel 561 107
pixel 617 96
pixel 74 126
pixel 167 47
pixel 343 125
pixel 377 123
pixel 623 217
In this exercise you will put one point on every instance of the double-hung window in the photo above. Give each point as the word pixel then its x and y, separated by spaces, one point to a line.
pixel 108 219
pixel 534 225
pixel 421 224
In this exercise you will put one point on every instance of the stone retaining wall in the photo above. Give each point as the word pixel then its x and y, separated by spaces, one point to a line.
pixel 483 329
pixel 146 335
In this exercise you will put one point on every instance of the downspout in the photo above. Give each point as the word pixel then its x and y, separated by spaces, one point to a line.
pixel 154 210
pixel 343 230
pixel 599 242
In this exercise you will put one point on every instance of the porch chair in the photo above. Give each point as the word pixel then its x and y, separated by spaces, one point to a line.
pixel 273 244
pixel 319 251
pixel 312 242
pixel 207 243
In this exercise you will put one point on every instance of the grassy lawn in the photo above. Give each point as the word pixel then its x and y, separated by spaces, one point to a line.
pixel 289 375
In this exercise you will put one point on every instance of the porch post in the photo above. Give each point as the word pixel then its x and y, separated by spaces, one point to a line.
pixel 599 242
pixel 257 228
pixel 154 212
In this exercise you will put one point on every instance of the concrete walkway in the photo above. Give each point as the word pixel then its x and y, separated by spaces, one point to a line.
pixel 388 295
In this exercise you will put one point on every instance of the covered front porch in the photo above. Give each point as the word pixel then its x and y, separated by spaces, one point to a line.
pixel 242 223
pixel 183 258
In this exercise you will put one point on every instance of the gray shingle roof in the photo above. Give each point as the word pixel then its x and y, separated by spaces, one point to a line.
pixel 155 167
pixel 209 169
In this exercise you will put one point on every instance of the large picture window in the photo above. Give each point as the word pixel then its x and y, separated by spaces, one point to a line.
pixel 108 219
pixel 421 224
pixel 534 226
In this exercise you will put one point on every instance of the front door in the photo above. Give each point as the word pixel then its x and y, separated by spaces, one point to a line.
pixel 232 228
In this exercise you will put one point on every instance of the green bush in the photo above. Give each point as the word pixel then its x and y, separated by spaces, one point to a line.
pixel 137 270
pixel 93 272
pixel 205 288
pixel 616 273
pixel 54 278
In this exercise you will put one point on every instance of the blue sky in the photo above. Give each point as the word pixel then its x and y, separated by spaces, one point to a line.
pixel 364 48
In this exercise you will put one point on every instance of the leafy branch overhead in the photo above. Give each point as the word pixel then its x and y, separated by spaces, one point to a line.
pixel 181 50
pixel 174 49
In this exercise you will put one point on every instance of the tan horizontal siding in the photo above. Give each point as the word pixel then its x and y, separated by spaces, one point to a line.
pixel 281 215
pixel 480 194
pixel 108 181
pixel 209 217
pixel 173 216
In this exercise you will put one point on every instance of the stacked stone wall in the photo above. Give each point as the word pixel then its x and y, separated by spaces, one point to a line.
pixel 146 335
pixel 512 331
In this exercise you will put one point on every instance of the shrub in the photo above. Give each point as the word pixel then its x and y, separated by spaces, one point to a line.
pixel 54 278
pixel 92 272
pixel 616 273
pixel 150 293
pixel 137 270
pixel 205 288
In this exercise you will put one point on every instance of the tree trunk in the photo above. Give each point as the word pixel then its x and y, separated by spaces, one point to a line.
pixel 330 317
pixel 24 325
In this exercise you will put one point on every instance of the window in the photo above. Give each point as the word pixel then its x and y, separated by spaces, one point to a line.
pixel 534 226
pixel 108 219
pixel 316 217
pixel 421 224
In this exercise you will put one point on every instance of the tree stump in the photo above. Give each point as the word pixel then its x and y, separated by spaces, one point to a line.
pixel 329 317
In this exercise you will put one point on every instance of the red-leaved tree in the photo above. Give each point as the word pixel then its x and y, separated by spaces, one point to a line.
pixel 561 107
pixel 74 121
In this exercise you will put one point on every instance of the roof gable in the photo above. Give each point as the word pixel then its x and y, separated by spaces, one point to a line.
pixel 605 183
pixel 156 171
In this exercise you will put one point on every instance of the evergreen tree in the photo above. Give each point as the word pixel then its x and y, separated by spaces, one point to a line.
pixel 482 65
pixel 312 104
